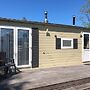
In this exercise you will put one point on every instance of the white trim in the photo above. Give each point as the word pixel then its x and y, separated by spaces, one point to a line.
pixel 82 45
pixel 8 27
pixel 15 43
pixel 64 47
pixel 85 50
pixel 30 46
pixel 16 46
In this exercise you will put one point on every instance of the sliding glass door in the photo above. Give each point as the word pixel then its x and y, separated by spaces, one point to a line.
pixel 6 42
pixel 16 43
pixel 23 47
pixel 86 46
pixel 23 44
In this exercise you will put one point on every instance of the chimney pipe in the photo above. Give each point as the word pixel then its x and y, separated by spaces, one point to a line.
pixel 46 17
pixel 74 20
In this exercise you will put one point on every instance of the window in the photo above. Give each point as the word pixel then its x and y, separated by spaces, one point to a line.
pixel 66 43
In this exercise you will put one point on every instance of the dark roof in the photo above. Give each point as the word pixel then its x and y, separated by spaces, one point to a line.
pixel 40 23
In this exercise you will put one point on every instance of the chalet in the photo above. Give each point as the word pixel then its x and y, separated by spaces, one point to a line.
pixel 42 45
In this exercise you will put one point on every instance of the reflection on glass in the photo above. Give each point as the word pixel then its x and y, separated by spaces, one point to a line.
pixel 23 47
pixel 66 43
pixel 86 41
pixel 6 42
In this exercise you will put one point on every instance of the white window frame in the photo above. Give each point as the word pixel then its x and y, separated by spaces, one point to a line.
pixel 65 47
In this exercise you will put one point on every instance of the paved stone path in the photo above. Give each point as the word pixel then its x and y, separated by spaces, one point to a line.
pixel 33 78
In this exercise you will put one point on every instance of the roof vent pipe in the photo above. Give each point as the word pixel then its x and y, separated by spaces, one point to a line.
pixel 74 20
pixel 46 17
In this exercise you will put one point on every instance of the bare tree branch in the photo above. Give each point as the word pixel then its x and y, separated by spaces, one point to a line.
pixel 85 10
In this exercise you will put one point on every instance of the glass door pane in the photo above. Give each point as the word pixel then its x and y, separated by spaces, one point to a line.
pixel 86 41
pixel 6 42
pixel 23 47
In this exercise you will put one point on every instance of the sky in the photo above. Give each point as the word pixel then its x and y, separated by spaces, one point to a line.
pixel 59 11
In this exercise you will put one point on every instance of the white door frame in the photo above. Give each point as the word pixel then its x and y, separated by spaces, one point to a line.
pixel 30 46
pixel 15 44
pixel 85 52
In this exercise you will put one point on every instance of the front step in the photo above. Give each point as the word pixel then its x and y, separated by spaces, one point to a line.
pixel 80 84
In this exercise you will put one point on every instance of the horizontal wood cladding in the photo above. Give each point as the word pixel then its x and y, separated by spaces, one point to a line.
pixel 49 56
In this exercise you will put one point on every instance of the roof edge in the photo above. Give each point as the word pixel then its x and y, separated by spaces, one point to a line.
pixel 35 22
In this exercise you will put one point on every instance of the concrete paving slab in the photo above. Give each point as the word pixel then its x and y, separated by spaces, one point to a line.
pixel 42 77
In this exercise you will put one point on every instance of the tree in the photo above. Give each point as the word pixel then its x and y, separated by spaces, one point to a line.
pixel 85 10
